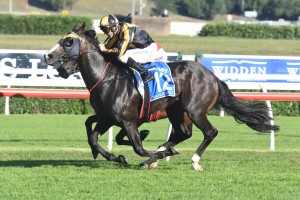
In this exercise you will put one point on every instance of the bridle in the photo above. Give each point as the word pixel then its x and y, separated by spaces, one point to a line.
pixel 72 53
pixel 71 44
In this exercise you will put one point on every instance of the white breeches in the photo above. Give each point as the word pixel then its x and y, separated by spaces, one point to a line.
pixel 148 54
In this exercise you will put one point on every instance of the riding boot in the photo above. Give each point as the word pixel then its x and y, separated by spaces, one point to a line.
pixel 146 76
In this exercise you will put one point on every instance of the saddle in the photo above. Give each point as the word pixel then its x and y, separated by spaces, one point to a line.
pixel 160 87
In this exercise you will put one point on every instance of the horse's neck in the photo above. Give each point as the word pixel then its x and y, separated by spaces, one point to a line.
pixel 93 68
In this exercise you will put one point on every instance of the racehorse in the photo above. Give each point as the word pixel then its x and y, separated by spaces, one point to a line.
pixel 151 162
pixel 116 101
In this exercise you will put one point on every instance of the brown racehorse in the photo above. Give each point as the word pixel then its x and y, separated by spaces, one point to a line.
pixel 116 101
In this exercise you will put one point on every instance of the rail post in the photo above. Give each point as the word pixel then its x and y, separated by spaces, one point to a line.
pixel 6 109
pixel 272 133
pixel 110 139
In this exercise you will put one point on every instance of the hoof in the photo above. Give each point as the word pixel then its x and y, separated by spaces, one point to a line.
pixel 197 167
pixel 143 164
pixel 95 154
pixel 151 163
pixel 168 158
pixel 122 159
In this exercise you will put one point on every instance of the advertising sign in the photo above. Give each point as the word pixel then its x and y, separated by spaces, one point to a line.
pixel 255 72
pixel 27 68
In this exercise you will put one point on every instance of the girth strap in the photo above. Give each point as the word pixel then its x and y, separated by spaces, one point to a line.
pixel 145 108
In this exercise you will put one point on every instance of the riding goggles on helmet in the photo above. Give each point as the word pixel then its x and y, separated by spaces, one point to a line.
pixel 104 29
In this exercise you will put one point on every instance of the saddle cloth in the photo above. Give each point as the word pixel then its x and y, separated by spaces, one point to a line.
pixel 161 86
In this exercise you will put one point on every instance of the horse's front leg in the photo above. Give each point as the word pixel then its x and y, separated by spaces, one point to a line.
pixel 135 139
pixel 93 136
pixel 89 130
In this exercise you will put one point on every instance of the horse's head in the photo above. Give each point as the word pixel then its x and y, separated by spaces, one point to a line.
pixel 66 52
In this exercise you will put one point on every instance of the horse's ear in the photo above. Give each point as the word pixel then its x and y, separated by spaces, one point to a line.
pixel 74 28
pixel 81 29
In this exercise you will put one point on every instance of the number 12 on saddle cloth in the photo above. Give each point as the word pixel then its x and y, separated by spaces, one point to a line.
pixel 161 86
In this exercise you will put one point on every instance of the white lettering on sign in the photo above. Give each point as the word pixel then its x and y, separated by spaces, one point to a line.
pixel 30 70
pixel 239 70
pixel 7 63
pixel 293 71
pixel 12 61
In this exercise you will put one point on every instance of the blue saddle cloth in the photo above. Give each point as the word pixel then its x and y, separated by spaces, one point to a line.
pixel 162 85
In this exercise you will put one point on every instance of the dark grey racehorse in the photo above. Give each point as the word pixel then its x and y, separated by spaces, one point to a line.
pixel 116 101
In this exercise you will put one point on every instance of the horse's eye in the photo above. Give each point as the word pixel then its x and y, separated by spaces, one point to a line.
pixel 68 42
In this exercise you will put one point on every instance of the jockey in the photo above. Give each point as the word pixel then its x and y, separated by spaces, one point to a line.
pixel 130 44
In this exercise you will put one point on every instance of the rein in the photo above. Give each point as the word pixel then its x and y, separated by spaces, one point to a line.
pixel 101 78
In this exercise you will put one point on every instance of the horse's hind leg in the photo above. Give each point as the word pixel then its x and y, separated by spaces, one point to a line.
pixel 209 133
pixel 181 131
pixel 181 127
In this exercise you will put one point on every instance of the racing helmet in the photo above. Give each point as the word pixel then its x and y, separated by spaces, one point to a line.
pixel 108 22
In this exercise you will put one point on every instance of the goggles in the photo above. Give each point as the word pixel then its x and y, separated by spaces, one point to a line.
pixel 104 29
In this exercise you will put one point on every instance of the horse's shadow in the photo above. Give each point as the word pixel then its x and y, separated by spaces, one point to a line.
pixel 95 164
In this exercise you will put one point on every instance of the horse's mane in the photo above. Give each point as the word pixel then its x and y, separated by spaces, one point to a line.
pixel 93 36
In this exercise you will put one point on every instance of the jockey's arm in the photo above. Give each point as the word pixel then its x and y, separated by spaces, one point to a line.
pixel 108 48
pixel 117 47
pixel 124 43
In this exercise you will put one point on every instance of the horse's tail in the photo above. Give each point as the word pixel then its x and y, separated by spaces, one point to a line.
pixel 254 115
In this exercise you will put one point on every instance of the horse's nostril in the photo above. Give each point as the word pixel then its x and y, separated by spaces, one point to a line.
pixel 50 56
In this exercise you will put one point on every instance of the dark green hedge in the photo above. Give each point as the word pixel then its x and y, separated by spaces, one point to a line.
pixel 251 31
pixel 47 106
pixel 40 25
pixel 82 106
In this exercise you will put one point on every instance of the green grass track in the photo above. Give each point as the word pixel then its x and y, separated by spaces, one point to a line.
pixel 47 157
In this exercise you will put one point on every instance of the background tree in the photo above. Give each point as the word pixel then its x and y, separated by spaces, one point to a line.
pixel 286 9
pixel 160 6
pixel 202 9
pixel 55 5
pixel 208 9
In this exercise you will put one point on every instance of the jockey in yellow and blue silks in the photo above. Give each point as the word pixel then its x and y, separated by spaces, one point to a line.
pixel 130 44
